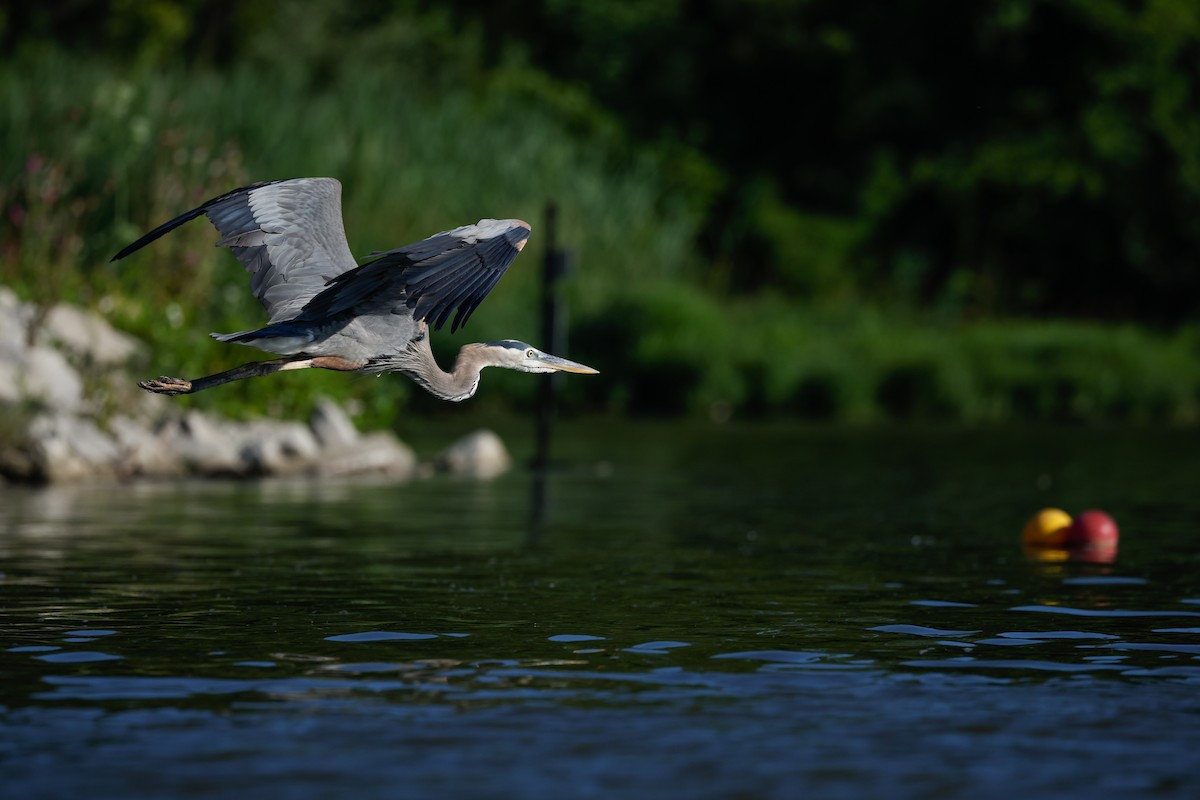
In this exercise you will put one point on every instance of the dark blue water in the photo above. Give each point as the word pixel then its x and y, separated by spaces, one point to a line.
pixel 720 612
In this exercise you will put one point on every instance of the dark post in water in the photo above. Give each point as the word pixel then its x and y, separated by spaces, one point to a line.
pixel 555 265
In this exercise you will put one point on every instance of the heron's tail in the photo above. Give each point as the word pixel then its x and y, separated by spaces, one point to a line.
pixel 282 339
pixel 242 337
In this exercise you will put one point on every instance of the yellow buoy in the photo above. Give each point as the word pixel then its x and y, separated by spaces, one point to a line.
pixel 1047 528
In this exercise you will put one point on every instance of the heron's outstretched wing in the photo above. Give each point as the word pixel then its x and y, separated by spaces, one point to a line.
pixel 450 271
pixel 288 234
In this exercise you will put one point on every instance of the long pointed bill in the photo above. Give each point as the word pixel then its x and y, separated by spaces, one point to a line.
pixel 563 365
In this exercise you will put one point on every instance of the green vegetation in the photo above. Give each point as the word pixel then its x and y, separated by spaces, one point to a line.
pixel 686 353
pixel 872 280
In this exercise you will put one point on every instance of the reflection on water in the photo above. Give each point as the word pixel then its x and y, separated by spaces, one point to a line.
pixel 692 613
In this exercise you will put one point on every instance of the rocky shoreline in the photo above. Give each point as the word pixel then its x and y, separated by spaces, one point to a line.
pixel 70 411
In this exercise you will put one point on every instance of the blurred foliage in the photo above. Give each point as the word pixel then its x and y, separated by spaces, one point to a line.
pixel 852 212
pixel 676 351
pixel 1020 156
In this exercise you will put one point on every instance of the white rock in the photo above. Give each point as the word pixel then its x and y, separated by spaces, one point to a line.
pixel 332 426
pixel 10 371
pixel 15 318
pixel 87 336
pixel 141 451
pixel 378 453
pixel 47 378
pixel 277 448
pixel 477 455
pixel 63 447
pixel 202 444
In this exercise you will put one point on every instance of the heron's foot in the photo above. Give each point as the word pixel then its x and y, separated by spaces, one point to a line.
pixel 168 386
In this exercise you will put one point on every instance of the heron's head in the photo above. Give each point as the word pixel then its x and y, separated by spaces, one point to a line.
pixel 516 355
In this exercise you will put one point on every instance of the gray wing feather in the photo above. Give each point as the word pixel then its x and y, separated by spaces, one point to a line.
pixel 288 234
pixel 449 272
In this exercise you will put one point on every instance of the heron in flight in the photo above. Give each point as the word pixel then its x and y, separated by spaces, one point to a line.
pixel 327 311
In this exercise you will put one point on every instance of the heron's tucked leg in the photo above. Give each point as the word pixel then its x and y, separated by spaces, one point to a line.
pixel 337 363
pixel 255 369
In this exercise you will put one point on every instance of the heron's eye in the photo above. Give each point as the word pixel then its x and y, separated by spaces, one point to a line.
pixel 529 353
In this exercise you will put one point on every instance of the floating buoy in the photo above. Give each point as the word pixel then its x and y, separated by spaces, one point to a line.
pixel 1093 528
pixel 1051 535
pixel 1047 528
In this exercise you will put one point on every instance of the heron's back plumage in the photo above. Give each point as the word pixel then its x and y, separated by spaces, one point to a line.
pixel 449 271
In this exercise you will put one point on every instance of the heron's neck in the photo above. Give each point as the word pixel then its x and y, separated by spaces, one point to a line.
pixel 457 384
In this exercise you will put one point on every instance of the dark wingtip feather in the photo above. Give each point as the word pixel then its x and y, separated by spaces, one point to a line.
pixel 441 279
pixel 480 289
pixel 158 232
pixel 171 225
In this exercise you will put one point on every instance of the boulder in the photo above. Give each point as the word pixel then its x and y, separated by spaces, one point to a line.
pixel 142 452
pixel 377 453
pixel 45 377
pixel 331 425
pixel 202 444
pixel 86 336
pixel 477 455
pixel 60 448
pixel 15 319
pixel 277 448
pixel 11 369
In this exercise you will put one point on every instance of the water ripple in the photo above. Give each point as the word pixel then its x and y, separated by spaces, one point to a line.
pixel 78 657
pixel 919 630
pixel 123 688
pixel 941 604
pixel 1188 649
pixel 981 663
pixel 34 648
pixel 1104 580
pixel 656 648
pixel 379 636
pixel 777 656
pixel 1056 635
pixel 372 667
pixel 1112 612
pixel 1165 672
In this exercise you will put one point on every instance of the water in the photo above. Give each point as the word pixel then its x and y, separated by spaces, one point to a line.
pixel 712 612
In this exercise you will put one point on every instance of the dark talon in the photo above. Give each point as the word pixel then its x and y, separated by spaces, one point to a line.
pixel 167 385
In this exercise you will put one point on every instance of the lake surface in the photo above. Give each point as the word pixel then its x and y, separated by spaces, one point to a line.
pixel 695 612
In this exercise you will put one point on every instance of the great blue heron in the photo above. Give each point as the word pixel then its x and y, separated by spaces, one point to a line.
pixel 327 311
